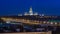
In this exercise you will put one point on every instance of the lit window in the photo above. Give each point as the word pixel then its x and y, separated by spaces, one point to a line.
pixel 8 22
pixel 44 21
pixel 51 22
pixel 47 22
pixel 56 23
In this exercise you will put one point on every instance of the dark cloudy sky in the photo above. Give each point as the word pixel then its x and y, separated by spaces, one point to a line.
pixel 13 7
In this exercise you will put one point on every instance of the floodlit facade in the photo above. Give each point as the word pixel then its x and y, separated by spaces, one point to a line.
pixel 31 12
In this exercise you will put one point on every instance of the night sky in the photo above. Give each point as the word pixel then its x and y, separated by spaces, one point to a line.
pixel 14 7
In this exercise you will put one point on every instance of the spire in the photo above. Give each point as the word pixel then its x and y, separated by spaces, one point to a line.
pixel 30 8
pixel 30 11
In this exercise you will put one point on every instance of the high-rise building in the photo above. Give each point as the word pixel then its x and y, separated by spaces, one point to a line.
pixel 31 12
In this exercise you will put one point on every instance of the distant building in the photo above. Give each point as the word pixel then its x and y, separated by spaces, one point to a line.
pixel 31 12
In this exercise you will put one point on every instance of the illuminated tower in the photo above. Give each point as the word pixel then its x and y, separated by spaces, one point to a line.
pixel 30 11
